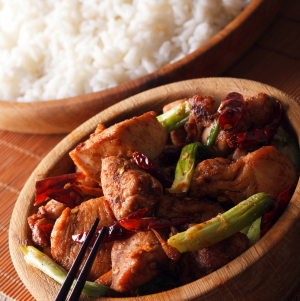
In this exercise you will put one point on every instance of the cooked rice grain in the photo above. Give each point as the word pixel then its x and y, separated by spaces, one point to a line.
pixel 53 49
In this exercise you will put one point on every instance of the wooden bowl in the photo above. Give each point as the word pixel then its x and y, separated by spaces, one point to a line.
pixel 62 116
pixel 267 271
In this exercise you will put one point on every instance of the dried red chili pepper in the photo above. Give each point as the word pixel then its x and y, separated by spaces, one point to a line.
pixel 144 163
pixel 124 228
pixel 282 200
pixel 146 224
pixel 258 137
pixel 114 231
pixel 49 185
pixel 47 229
pixel 71 196
pixel 170 251
pixel 231 110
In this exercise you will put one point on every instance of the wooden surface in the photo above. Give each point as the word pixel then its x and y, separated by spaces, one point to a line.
pixel 227 46
pixel 274 59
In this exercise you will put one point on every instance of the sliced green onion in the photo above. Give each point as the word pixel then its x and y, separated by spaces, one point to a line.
pixel 185 168
pixel 254 232
pixel 222 226
pixel 212 134
pixel 44 263
pixel 176 117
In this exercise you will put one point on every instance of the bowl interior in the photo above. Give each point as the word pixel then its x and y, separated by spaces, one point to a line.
pixel 249 275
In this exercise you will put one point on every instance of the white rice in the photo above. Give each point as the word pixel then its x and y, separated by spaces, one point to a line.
pixel 53 49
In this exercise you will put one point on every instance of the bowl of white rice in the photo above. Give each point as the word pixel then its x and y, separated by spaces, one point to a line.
pixel 64 61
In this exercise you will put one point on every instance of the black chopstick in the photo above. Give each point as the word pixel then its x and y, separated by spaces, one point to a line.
pixel 65 288
pixel 74 296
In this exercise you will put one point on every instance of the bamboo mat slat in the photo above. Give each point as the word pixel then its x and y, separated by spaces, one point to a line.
pixel 20 154
pixel 274 60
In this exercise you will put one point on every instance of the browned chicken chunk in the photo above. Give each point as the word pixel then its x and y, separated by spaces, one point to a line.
pixel 52 209
pixel 212 258
pixel 46 215
pixel 197 264
pixel 202 109
pixel 73 221
pixel 199 211
pixel 36 223
pixel 136 261
pixel 143 133
pixel 128 188
pixel 264 170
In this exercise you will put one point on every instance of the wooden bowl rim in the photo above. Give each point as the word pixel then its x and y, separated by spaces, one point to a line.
pixel 225 274
pixel 165 70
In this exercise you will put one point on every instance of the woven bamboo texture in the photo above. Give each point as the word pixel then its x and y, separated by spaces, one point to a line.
pixel 274 60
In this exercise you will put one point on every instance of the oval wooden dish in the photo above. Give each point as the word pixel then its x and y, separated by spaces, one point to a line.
pixel 267 271
pixel 62 116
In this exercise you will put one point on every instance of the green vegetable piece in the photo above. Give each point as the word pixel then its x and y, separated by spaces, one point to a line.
pixel 223 225
pixel 185 168
pixel 212 134
pixel 44 263
pixel 245 230
pixel 254 232
pixel 284 143
pixel 176 117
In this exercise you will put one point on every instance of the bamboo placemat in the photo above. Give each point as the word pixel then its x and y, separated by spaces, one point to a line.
pixel 20 154
pixel 274 60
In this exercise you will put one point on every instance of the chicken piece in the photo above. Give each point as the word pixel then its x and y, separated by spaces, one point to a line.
pixel 52 209
pixel 143 133
pixel 39 236
pixel 258 111
pixel 188 271
pixel 46 215
pixel 136 261
pixel 74 221
pixel 128 188
pixel 87 181
pixel 197 264
pixel 264 170
pixel 199 211
pixel 201 116
pixel 214 257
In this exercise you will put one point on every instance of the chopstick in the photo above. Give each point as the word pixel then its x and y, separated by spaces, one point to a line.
pixel 65 288
pixel 74 296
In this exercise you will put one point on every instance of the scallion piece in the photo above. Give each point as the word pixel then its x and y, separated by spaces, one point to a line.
pixel 176 117
pixel 185 168
pixel 212 134
pixel 254 232
pixel 222 226
pixel 44 263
